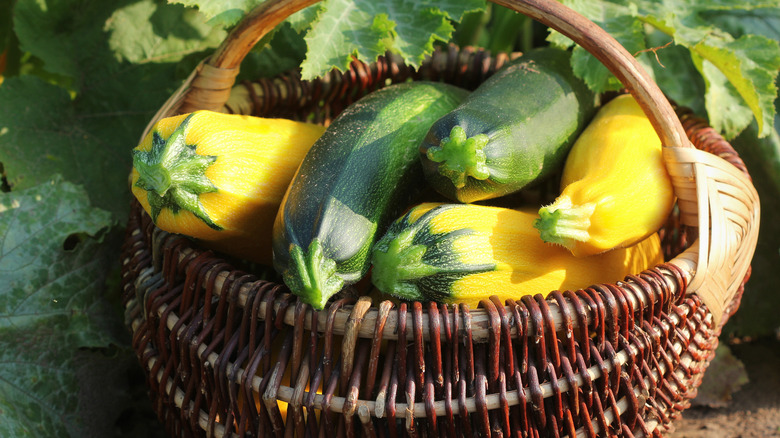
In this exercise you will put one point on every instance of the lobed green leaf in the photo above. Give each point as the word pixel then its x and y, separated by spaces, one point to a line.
pixel 366 29
pixel 738 89
pixel 54 263
pixel 738 74
pixel 144 32
pixel 223 13
pixel 749 63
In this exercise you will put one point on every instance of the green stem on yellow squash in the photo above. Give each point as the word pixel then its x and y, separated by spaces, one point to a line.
pixel 174 175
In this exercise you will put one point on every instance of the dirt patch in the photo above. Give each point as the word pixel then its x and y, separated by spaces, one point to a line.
pixel 754 409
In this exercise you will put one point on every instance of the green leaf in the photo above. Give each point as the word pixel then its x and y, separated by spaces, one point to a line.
pixel 69 143
pixel 765 21
pixel 621 24
pixel 85 133
pixel 749 63
pixel 50 31
pixel 455 9
pixel 338 30
pixel 75 45
pixel 47 247
pixel 744 68
pixel 221 12
pixel 301 21
pixel 367 29
pixel 144 32
pixel 54 264
pixel 724 105
pixel 344 30
pixel 738 73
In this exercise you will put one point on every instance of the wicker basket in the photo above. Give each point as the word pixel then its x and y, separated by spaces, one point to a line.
pixel 224 349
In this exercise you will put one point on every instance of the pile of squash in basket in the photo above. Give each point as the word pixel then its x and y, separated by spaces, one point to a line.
pixel 330 207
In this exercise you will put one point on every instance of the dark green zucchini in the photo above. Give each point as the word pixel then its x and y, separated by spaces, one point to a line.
pixel 514 129
pixel 353 182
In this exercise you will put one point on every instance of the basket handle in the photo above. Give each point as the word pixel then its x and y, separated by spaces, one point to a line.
pixel 223 65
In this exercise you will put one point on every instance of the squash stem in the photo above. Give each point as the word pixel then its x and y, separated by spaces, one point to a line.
pixel 159 178
pixel 397 263
pixel 563 223
pixel 311 275
pixel 460 157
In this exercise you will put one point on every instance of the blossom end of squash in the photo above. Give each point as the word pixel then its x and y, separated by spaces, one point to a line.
pixel 173 174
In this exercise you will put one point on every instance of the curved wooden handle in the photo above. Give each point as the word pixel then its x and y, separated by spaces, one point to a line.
pixel 582 31
pixel 257 24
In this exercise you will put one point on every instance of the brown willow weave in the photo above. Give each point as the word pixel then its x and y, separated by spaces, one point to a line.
pixel 222 346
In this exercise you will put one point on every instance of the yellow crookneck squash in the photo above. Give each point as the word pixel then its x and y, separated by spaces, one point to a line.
pixel 615 189
pixel 220 178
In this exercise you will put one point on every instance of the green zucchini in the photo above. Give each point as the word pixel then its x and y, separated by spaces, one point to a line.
pixel 514 129
pixel 354 180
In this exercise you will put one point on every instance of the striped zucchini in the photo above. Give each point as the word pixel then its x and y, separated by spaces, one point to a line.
pixel 462 253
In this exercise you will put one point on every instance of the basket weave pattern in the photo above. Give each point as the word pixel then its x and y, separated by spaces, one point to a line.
pixel 223 347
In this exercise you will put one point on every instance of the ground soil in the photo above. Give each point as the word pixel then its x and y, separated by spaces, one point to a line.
pixel 753 410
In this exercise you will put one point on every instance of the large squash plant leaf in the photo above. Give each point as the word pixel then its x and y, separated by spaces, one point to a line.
pixel 738 72
pixel 54 264
pixel 145 32
pixel 119 66
pixel 338 30
pixel 367 29
pixel 222 12
pixel 42 132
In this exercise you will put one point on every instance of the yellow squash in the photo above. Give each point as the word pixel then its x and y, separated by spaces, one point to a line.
pixel 220 178
pixel 462 253
pixel 615 187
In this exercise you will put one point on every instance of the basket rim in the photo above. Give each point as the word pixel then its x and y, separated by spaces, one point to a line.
pixel 641 293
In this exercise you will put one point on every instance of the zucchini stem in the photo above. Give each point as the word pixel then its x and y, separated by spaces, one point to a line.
pixel 173 174
pixel 564 223
pixel 311 275
pixel 460 156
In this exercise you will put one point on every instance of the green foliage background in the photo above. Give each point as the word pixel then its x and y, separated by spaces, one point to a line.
pixel 83 77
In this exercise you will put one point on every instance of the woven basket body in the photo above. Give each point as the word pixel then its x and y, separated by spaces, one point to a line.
pixel 226 351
